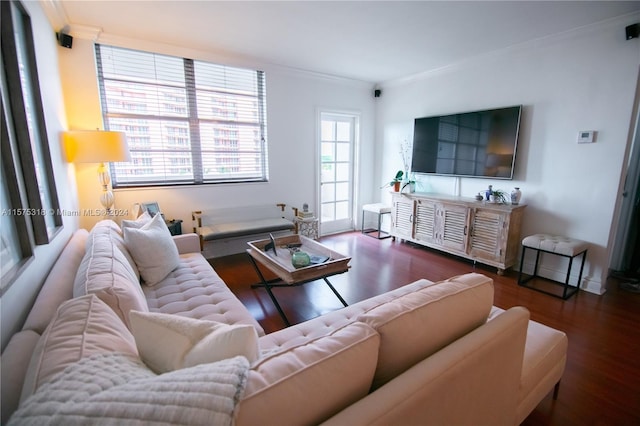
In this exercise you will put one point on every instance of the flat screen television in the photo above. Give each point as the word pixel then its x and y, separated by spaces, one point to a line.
pixel 471 144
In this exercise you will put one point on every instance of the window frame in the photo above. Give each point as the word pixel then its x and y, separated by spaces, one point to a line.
pixel 198 154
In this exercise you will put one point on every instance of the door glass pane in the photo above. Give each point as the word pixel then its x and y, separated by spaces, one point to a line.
pixel 327 152
pixel 327 130
pixel 343 152
pixel 342 210
pixel 343 131
pixel 328 172
pixel 342 171
pixel 327 211
pixel 342 191
pixel 328 192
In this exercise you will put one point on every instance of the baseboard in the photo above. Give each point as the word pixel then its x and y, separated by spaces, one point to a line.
pixel 588 284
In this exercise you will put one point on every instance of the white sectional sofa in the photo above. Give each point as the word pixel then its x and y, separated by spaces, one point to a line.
pixel 425 353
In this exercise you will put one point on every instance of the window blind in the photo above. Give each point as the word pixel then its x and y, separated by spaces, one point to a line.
pixel 186 121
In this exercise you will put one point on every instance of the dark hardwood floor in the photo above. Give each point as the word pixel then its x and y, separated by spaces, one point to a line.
pixel 601 383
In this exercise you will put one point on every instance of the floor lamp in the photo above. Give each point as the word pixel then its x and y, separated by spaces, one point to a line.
pixel 97 146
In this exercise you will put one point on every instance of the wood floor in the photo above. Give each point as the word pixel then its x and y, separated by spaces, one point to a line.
pixel 601 383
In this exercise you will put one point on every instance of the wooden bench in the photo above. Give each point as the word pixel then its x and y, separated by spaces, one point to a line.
pixel 227 231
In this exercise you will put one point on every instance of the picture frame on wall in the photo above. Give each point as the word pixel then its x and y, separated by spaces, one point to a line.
pixel 151 207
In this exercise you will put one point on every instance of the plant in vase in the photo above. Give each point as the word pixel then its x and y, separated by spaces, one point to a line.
pixel 410 182
pixel 497 196
pixel 395 183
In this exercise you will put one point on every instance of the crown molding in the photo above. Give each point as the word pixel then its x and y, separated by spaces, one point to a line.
pixel 620 21
pixel 55 13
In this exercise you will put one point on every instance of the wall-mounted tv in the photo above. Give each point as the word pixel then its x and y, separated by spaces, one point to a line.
pixel 471 144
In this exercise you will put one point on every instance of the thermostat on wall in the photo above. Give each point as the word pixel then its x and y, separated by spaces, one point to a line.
pixel 586 136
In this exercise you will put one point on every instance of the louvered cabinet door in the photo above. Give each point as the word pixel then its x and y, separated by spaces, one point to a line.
pixel 455 226
pixel 488 235
pixel 425 223
pixel 402 215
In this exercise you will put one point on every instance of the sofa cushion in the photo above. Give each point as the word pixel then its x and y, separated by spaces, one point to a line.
pixel 195 290
pixel 545 356
pixel 106 272
pixel 171 342
pixel 109 227
pixel 118 389
pixel 15 361
pixel 81 327
pixel 153 250
pixel 416 325
pixel 58 285
pixel 311 381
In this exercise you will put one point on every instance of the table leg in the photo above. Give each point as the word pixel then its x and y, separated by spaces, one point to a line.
pixel 266 285
pixel 335 291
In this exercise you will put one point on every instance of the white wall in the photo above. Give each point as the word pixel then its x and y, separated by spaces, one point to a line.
pixel 581 80
pixel 18 299
pixel 292 101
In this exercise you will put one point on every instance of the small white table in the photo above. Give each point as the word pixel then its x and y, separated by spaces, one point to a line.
pixel 308 227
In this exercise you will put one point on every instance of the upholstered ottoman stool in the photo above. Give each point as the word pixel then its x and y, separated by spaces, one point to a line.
pixel 559 246
pixel 380 210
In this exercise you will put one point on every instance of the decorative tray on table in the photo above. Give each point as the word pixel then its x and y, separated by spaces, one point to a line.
pixel 327 261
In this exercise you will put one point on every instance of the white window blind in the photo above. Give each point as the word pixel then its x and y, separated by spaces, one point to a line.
pixel 186 121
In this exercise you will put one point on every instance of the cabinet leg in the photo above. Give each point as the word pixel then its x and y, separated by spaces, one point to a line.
pixel 500 271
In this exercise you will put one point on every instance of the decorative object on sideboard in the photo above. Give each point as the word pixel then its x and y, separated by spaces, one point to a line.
pixel 97 146
pixel 516 194
pixel 488 192
pixel 408 183
pixel 479 196
pixel 498 196
pixel 395 183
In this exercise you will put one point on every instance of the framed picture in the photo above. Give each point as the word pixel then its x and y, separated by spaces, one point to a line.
pixel 152 208
pixel 27 142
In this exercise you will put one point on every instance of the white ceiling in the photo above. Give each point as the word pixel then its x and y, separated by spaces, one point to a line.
pixel 374 41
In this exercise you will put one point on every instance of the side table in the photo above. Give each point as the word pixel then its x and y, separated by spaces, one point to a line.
pixel 307 227
pixel 175 226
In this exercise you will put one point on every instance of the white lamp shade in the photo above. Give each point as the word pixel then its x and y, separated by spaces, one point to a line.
pixel 95 146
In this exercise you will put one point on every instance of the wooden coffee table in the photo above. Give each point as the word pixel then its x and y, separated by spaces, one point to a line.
pixel 280 264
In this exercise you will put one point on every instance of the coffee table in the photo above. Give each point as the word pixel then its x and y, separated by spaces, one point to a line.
pixel 288 276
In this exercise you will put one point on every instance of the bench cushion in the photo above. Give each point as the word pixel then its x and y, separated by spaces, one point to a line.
pixel 241 228
pixel 555 244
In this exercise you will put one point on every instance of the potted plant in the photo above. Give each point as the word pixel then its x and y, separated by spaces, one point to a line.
pixel 497 196
pixel 396 181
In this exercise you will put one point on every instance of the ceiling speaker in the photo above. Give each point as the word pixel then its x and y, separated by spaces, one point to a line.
pixel 64 40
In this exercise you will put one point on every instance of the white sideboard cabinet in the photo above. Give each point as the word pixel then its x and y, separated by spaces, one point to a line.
pixel 484 232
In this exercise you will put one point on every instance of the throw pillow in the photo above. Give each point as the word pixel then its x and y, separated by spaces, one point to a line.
pixel 81 327
pixel 153 250
pixel 138 223
pixel 171 342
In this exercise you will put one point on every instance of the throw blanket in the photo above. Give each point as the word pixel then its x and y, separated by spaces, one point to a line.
pixel 118 389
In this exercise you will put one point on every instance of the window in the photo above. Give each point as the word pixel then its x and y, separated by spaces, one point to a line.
pixel 187 121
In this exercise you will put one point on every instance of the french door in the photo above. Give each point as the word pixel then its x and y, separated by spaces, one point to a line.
pixel 338 134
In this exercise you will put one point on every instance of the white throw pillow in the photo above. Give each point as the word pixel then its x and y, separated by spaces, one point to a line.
pixel 153 250
pixel 138 223
pixel 170 342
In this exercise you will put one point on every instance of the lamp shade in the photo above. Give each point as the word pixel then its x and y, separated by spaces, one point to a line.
pixel 95 146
